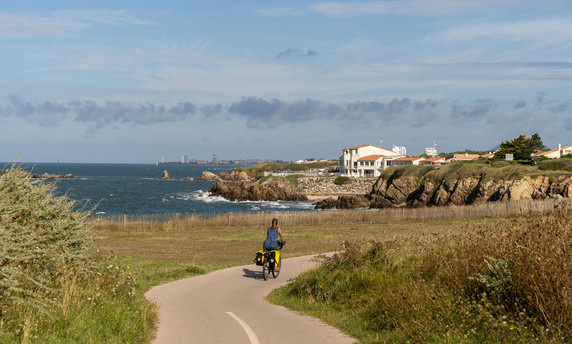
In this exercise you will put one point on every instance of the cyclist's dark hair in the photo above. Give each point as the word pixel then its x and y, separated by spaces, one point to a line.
pixel 274 221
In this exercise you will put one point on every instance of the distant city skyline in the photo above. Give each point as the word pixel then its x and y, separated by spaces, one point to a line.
pixel 133 81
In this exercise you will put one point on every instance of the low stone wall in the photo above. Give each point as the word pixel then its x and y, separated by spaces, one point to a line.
pixel 324 186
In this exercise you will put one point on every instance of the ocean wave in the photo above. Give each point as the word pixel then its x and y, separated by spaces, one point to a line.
pixel 206 197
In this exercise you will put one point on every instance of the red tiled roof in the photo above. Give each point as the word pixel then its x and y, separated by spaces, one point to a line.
pixel 408 158
pixel 552 151
pixel 437 158
pixel 371 157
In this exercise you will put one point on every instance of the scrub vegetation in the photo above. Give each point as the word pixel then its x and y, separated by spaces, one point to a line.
pixel 54 286
pixel 485 284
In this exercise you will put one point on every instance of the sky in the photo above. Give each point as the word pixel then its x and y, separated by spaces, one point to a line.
pixel 138 81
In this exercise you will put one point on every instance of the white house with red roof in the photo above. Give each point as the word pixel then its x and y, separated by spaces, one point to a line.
pixel 364 160
pixel 436 161
pixel 556 153
pixel 406 160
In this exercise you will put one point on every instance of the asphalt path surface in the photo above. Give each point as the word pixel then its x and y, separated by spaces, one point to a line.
pixel 228 306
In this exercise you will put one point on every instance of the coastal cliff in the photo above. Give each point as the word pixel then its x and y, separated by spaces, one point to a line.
pixel 459 184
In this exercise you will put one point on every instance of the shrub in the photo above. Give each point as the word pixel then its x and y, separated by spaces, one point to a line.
pixel 341 180
pixel 44 240
pixel 53 286
pixel 552 165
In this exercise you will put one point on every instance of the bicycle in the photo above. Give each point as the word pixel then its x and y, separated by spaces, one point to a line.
pixel 271 263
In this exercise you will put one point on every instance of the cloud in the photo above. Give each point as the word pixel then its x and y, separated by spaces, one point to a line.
pixel 57 24
pixel 97 114
pixel 281 12
pixel 544 30
pixel 560 107
pixel 520 105
pixel 540 96
pixel 293 52
pixel 261 113
pixel 411 7
pixel 480 109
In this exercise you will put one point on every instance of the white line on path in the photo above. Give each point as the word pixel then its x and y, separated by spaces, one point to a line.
pixel 251 335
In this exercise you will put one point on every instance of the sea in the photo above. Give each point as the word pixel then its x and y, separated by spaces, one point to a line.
pixel 115 189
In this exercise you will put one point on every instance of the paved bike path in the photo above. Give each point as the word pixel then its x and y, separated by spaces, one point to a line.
pixel 228 306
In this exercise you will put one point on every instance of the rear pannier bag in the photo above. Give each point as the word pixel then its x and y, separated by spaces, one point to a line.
pixel 259 260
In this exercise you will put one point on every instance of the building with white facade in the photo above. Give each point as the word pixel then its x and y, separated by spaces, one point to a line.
pixel 406 160
pixel 557 153
pixel 401 150
pixel 365 160
pixel 431 151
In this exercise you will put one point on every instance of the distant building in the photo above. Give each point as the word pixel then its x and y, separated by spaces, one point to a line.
pixel 431 151
pixel 465 156
pixel 364 160
pixel 556 153
pixel 399 150
pixel 406 160
pixel 215 158
pixel 436 161
pixel 184 159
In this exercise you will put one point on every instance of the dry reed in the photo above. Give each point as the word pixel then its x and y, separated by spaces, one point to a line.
pixel 242 219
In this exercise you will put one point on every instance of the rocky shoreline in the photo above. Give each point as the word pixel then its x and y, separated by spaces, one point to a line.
pixel 397 191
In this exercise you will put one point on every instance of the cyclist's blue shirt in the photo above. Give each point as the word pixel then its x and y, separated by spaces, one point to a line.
pixel 271 242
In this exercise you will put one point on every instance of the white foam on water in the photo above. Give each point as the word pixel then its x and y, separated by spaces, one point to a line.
pixel 206 197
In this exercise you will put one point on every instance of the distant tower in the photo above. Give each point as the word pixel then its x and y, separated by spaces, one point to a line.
pixel 162 159
pixel 215 158
pixel 399 150
pixel 184 159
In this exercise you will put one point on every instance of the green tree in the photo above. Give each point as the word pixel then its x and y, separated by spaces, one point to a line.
pixel 536 143
pixel 521 148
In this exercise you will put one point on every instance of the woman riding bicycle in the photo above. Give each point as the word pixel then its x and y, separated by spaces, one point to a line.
pixel 271 242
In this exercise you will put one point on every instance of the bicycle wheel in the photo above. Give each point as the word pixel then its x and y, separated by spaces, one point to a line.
pixel 265 269
pixel 276 273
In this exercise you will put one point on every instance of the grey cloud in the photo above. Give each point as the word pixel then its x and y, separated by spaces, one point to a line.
pixel 520 105
pixel 481 108
pixel 540 96
pixel 560 108
pixel 261 113
pixel 428 104
pixel 143 114
pixel 211 110
pixel 99 115
pixel 293 52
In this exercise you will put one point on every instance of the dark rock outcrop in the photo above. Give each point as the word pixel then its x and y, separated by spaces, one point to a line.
pixel 344 202
pixel 252 191
pixel 52 176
